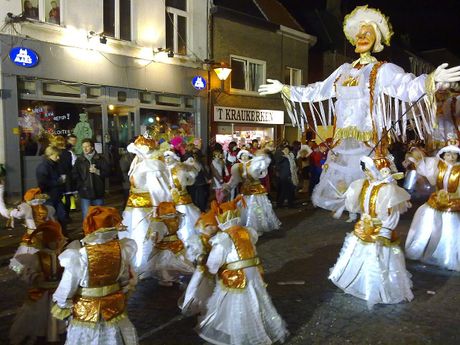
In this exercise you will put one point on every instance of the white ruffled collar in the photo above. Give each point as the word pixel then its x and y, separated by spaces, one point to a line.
pixel 230 223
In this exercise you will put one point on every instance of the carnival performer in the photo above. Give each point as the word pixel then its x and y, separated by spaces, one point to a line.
pixel 202 284
pixel 34 212
pixel 180 176
pixel 370 95
pixel 240 310
pixel 433 236
pixel 371 264
pixel 259 213
pixel 168 260
pixel 41 272
pixel 97 278
pixel 149 187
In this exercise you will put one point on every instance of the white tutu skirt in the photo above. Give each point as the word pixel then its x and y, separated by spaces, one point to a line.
pixel 434 238
pixel 137 219
pixel 259 214
pixel 372 272
pixel 33 320
pixel 245 317
pixel 197 294
pixel 344 167
pixel 187 227
pixel 117 333
pixel 167 266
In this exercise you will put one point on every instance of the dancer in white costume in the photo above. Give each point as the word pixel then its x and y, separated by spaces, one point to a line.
pixel 258 214
pixel 434 233
pixel 202 284
pixel 149 186
pixel 97 278
pixel 370 95
pixel 180 176
pixel 371 264
pixel 167 262
pixel 41 272
pixel 240 310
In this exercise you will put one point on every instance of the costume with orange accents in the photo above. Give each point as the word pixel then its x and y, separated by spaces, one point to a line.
pixel 97 278
pixel 434 232
pixel 168 261
pixel 149 187
pixel 240 289
pixel 41 272
pixel 371 265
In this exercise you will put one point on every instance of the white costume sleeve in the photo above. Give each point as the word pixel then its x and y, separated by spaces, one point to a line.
pixel 393 81
pixel 128 278
pixel 392 201
pixel 428 167
pixel 352 196
pixel 70 260
pixel 316 92
pixel 236 176
pixel 221 246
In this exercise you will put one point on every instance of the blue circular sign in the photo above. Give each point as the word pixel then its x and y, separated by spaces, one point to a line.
pixel 24 57
pixel 199 82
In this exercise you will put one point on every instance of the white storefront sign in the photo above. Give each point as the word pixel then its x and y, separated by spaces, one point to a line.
pixel 243 115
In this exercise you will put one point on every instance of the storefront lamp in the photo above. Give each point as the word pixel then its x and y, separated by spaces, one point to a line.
pixel 223 71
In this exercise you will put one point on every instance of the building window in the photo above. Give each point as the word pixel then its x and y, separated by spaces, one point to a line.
pixel 247 74
pixel 117 19
pixel 292 76
pixel 43 10
pixel 176 26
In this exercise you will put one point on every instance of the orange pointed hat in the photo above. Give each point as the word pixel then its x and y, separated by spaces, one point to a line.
pixel 34 193
pixel 51 232
pixel 206 219
pixel 229 209
pixel 101 217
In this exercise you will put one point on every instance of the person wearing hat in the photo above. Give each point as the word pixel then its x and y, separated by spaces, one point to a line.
pixel 168 260
pixel 364 98
pixel 240 311
pixel 41 272
pixel 98 275
pixel 181 175
pixel 35 212
pixel 371 265
pixel 259 214
pixel 149 187
pixel 433 235
pixel 202 283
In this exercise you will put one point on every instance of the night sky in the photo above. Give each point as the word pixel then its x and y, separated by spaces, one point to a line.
pixel 428 24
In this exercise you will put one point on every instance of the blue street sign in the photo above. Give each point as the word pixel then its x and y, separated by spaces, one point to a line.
pixel 24 57
pixel 199 83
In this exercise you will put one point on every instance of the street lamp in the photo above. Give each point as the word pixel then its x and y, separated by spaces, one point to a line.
pixel 223 71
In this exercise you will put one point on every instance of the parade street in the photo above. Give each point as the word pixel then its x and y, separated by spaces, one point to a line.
pixel 296 262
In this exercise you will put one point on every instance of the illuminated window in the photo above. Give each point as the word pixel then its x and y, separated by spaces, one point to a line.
pixel 176 26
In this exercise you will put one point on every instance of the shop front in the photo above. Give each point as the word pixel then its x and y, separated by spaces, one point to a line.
pixel 243 125
pixel 57 97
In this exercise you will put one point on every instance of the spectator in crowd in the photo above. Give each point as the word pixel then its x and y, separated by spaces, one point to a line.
pixel 125 163
pixel 296 145
pixel 51 182
pixel 303 165
pixel 89 172
pixel 199 191
pixel 254 147
pixel 287 176
pixel 55 13
pixel 64 165
pixel 30 11
pixel 317 159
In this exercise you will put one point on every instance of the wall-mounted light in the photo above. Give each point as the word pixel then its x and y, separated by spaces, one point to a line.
pixel 168 51
pixel 111 107
pixel 222 70
pixel 103 39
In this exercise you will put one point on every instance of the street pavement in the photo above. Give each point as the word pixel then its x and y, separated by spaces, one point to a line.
pixel 296 260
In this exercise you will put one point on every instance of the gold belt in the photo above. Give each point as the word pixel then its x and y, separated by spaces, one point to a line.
pixel 447 205
pixel 240 264
pixel 251 189
pixel 100 291
pixel 139 199
pixel 170 238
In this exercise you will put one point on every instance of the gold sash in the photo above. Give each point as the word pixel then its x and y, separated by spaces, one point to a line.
pixel 446 204
pixel 104 263
pixel 452 182
pixel 141 199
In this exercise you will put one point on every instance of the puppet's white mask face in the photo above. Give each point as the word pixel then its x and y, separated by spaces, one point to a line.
pixel 451 157
pixel 365 39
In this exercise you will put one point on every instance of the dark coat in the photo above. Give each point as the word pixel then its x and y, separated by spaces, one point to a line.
pixel 48 179
pixel 90 186
pixel 283 167
pixel 65 168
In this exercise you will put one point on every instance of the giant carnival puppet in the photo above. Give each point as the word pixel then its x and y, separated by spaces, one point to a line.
pixel 363 99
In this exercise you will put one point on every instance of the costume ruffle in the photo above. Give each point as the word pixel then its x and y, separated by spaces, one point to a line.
pixel 259 214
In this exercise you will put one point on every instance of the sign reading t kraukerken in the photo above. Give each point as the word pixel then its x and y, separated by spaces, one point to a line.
pixel 243 115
